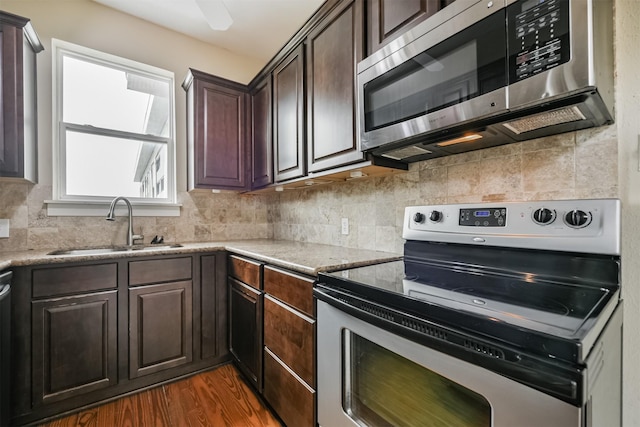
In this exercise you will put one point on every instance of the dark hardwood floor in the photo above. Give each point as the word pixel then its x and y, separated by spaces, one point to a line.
pixel 216 398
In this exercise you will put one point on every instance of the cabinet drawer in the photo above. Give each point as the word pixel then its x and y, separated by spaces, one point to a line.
pixel 159 270
pixel 290 336
pixel 293 289
pixel 53 281
pixel 245 270
pixel 292 399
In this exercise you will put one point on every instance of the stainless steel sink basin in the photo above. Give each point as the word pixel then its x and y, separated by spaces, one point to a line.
pixel 101 251
pixel 87 251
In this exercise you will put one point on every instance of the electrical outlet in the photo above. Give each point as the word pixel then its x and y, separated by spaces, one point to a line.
pixel 4 228
pixel 345 226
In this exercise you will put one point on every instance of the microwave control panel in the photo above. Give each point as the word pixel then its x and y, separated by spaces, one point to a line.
pixel 538 37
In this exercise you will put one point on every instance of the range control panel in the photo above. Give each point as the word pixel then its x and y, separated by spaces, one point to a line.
pixel 588 226
pixel 489 217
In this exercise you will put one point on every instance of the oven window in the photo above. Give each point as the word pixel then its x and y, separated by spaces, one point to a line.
pixel 467 65
pixel 382 388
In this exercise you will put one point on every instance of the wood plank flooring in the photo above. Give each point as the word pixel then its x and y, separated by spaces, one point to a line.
pixel 216 398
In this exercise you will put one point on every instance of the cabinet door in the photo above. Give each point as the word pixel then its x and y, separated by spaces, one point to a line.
pixel 333 50
pixel 288 117
pixel 74 346
pixel 388 19
pixel 160 327
pixel 18 121
pixel 261 147
pixel 245 334
pixel 217 135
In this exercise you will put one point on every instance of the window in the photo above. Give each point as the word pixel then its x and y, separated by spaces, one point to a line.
pixel 115 128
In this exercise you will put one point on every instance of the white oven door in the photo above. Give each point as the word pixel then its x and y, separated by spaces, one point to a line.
pixel 368 376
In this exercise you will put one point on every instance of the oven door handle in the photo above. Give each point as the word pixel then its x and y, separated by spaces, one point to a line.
pixel 324 293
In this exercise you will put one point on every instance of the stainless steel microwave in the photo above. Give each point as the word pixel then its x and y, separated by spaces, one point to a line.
pixel 485 73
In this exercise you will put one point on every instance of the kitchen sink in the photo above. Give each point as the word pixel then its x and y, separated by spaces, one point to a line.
pixel 113 249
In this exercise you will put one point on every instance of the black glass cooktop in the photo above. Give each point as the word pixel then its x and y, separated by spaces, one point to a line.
pixel 549 309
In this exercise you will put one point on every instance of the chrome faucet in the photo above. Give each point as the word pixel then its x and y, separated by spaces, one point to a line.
pixel 111 216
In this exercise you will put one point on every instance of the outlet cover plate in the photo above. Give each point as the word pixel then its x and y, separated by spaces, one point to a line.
pixel 345 226
pixel 4 228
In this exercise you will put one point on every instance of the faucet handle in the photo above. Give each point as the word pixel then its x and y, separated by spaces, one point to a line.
pixel 137 237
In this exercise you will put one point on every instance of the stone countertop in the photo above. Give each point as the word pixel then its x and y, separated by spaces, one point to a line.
pixel 305 258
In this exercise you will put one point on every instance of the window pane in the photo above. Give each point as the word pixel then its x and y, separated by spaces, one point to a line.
pixel 109 98
pixel 109 166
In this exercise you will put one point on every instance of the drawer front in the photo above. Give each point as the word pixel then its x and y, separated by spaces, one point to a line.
pixel 246 270
pixel 292 399
pixel 293 289
pixel 290 336
pixel 53 281
pixel 159 270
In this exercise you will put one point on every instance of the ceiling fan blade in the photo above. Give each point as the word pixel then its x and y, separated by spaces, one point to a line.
pixel 216 14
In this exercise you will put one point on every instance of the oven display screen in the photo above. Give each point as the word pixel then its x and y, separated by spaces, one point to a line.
pixel 492 217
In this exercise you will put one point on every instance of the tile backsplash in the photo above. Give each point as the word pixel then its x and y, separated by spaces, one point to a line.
pixel 581 164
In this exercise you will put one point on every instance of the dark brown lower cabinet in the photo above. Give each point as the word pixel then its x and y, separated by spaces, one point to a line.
pixel 160 327
pixel 245 330
pixel 87 332
pixel 74 346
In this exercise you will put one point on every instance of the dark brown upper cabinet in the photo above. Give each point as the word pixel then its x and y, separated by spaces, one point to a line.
pixel 288 117
pixel 19 45
pixel 261 131
pixel 334 47
pixel 217 132
pixel 389 19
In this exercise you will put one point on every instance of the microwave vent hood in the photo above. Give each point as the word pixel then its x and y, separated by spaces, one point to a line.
pixel 562 86
pixel 582 112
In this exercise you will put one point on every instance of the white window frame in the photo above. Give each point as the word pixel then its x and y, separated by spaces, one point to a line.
pixel 64 204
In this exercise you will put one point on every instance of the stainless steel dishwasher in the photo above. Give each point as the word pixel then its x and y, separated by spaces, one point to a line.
pixel 5 348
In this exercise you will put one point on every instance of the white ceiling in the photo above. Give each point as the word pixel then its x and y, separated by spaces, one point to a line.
pixel 260 27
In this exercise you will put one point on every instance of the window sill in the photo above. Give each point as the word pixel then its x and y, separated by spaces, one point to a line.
pixel 78 208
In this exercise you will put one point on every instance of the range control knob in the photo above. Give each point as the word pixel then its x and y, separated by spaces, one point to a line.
pixel 544 216
pixel 435 216
pixel 577 218
pixel 418 217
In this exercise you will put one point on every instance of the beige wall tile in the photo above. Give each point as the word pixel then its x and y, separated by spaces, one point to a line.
pixel 575 165
pixel 551 169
